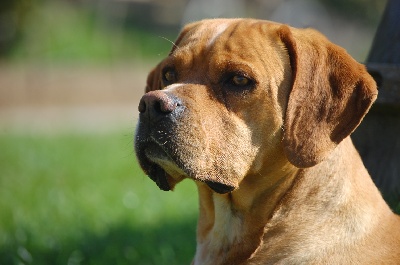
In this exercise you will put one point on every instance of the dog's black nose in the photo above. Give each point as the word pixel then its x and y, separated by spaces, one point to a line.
pixel 157 103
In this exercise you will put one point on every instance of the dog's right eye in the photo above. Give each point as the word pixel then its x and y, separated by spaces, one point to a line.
pixel 239 81
pixel 169 76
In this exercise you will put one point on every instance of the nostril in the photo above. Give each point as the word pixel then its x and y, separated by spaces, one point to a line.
pixel 157 106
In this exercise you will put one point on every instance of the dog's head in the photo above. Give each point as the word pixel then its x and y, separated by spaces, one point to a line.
pixel 236 97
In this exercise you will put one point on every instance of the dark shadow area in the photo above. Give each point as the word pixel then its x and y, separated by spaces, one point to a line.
pixel 169 243
pixel 377 138
pixel 377 141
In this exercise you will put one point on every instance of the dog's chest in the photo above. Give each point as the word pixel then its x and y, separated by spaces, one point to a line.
pixel 228 224
pixel 226 232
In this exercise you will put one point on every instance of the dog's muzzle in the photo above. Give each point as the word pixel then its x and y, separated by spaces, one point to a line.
pixel 158 113
pixel 157 145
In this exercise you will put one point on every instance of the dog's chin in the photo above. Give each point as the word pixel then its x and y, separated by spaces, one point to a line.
pixel 166 173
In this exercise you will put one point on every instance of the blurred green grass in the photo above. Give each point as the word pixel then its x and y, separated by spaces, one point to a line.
pixel 66 32
pixel 82 199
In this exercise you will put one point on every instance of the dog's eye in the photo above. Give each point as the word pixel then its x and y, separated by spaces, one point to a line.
pixel 240 81
pixel 169 76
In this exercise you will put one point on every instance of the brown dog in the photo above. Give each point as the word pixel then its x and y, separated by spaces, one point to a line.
pixel 259 115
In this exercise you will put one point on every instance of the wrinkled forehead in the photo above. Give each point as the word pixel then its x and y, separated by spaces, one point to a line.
pixel 206 31
pixel 230 35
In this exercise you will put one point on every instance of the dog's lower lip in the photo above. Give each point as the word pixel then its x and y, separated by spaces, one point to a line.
pixel 160 178
pixel 150 152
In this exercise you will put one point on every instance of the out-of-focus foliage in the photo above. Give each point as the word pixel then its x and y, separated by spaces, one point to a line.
pixel 364 10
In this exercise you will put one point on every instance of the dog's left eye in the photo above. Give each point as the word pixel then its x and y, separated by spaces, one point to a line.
pixel 169 76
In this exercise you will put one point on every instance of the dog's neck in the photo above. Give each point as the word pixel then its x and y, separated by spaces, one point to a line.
pixel 233 227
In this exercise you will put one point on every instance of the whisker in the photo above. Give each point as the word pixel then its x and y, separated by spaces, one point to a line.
pixel 173 43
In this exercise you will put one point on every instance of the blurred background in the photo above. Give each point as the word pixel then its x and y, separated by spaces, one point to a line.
pixel 71 75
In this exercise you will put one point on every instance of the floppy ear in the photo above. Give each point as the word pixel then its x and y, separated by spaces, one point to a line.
pixel 331 93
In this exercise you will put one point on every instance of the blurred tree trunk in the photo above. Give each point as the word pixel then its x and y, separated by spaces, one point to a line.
pixel 378 137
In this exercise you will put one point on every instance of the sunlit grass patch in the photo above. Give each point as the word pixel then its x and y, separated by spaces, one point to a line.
pixel 82 199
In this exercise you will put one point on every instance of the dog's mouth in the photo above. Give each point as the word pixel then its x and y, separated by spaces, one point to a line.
pixel 166 170
pixel 159 166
